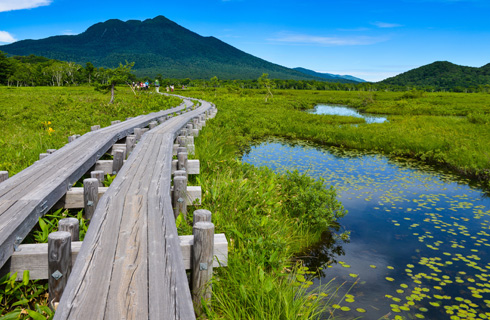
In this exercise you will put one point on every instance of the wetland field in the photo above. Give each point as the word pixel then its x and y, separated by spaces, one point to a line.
pixel 387 219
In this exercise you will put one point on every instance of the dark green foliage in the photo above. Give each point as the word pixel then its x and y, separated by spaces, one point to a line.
pixel 443 75
pixel 20 299
pixel 311 202
pixel 158 46
pixel 5 68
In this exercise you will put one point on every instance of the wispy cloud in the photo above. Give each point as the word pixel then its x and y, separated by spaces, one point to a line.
pixel 10 5
pixel 380 24
pixel 6 37
pixel 327 41
pixel 360 29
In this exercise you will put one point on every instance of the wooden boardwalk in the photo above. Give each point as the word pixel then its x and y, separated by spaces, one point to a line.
pixel 29 194
pixel 130 264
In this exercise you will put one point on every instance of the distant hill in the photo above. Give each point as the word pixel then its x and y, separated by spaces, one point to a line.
pixel 329 76
pixel 443 74
pixel 157 46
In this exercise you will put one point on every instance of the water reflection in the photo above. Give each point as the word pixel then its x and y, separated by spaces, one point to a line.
pixel 326 252
pixel 419 236
pixel 337 110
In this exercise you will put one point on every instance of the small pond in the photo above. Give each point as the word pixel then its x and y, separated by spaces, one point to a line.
pixel 339 110
pixel 419 237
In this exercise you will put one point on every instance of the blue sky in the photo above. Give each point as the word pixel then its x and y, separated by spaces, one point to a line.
pixel 372 39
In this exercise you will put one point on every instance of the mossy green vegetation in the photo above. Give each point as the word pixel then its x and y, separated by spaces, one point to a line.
pixel 448 129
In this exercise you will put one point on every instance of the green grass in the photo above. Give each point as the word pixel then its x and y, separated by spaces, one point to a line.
pixel 447 129
pixel 26 114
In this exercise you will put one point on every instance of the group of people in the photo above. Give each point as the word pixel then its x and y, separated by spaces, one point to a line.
pixel 146 86
pixel 141 85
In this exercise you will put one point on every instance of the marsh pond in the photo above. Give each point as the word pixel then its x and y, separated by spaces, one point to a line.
pixel 419 236
pixel 341 110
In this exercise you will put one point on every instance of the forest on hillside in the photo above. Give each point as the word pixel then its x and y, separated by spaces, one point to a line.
pixel 40 71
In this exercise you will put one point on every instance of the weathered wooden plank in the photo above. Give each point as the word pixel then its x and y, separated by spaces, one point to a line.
pixel 34 257
pixel 91 281
pixel 106 166
pixel 129 279
pixel 74 197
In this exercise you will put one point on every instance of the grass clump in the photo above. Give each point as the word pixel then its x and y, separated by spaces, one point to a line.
pixel 268 218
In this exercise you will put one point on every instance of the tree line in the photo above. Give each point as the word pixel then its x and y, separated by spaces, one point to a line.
pixel 39 71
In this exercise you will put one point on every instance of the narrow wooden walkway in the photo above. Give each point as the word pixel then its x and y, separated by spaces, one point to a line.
pixel 29 194
pixel 130 265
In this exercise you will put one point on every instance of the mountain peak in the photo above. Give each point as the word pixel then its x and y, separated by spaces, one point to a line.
pixel 157 46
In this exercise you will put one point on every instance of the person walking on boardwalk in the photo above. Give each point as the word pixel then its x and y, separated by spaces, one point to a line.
pixel 157 86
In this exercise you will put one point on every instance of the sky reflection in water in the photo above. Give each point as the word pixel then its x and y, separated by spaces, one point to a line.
pixel 346 111
pixel 419 237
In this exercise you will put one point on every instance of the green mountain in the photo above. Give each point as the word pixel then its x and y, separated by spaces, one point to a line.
pixel 330 76
pixel 443 74
pixel 157 46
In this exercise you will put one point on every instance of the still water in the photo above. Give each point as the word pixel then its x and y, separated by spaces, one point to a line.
pixel 419 237
pixel 338 110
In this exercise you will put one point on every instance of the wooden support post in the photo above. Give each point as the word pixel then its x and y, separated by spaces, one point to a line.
pixel 130 143
pixel 115 122
pixel 181 141
pixel 181 173
pixel 50 151
pixel 90 196
pixel 201 215
pixel 118 161
pixel 71 225
pixel 4 175
pixel 95 128
pixel 181 149
pixel 182 161
pixel 99 175
pixel 161 120
pixel 144 130
pixel 189 143
pixel 179 196
pixel 59 265
pixel 71 138
pixel 138 133
pixel 195 132
pixel 202 264
pixel 175 149
pixel 189 127
pixel 153 124
pixel 43 155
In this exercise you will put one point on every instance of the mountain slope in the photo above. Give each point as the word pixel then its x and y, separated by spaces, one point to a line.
pixel 157 46
pixel 329 76
pixel 443 74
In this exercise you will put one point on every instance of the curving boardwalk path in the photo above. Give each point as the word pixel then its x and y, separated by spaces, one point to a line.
pixel 29 194
pixel 130 264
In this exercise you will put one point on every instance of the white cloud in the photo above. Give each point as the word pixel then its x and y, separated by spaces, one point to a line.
pixel 6 37
pixel 328 41
pixel 380 24
pixel 10 5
